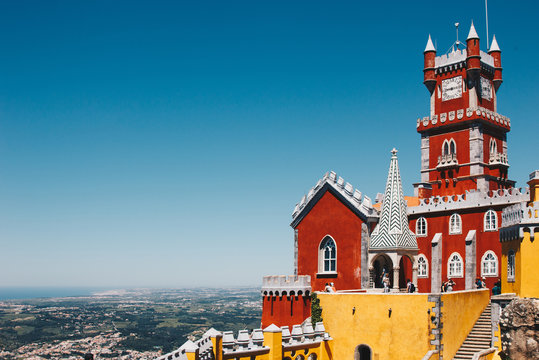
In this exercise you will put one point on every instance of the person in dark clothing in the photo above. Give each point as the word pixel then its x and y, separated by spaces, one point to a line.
pixel 89 356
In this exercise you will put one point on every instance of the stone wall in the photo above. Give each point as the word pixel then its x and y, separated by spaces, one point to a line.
pixel 519 324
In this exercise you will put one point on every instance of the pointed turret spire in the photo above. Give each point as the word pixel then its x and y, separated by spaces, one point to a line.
pixel 392 231
pixel 472 34
pixel 494 46
pixel 430 46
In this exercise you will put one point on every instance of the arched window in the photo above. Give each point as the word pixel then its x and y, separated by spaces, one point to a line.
pixel 511 266
pixel 422 266
pixel 493 148
pixel 421 227
pixel 327 255
pixel 491 221
pixel 455 224
pixel 449 147
pixel 445 149
pixel 454 266
pixel 489 264
pixel 452 147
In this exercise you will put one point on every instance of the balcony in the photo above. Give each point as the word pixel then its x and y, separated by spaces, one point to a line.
pixel 447 161
pixel 497 158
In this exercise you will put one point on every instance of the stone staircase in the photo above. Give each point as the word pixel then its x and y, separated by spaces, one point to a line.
pixel 479 338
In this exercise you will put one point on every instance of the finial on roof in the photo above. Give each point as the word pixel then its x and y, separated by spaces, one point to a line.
pixel 494 46
pixel 430 46
pixel 472 34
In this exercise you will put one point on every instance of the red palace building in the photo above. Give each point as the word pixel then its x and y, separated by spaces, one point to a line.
pixel 454 215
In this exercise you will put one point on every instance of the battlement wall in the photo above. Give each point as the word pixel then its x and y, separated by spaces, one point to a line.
pixel 273 341
pixel 286 285
pixel 471 199
pixel 518 219
pixel 459 56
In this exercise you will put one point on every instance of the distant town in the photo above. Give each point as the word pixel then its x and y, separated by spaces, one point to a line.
pixel 124 324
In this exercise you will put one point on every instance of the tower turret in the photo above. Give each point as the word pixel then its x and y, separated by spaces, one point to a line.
pixel 473 57
pixel 429 56
pixel 496 54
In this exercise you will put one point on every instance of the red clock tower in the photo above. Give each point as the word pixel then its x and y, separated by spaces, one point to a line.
pixel 464 184
pixel 463 141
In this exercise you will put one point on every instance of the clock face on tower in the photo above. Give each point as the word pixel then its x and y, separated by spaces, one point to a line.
pixel 486 89
pixel 452 88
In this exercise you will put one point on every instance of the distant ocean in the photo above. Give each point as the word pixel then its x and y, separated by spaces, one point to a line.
pixel 12 293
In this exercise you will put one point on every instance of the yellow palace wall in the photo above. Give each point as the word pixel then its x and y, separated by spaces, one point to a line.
pixel 526 283
pixel 406 334
pixel 460 311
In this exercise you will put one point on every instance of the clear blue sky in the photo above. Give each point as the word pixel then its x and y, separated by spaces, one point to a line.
pixel 151 143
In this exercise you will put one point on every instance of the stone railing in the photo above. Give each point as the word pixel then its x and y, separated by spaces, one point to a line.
pixel 447 160
pixel 486 354
pixel 286 285
pixel 498 159
pixel 471 199
pixel 273 340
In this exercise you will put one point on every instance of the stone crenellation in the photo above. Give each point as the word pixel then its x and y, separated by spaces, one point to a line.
pixel 517 219
pixel 470 199
pixel 286 285
pixel 250 345
pixel 361 202
pixel 457 59
pixel 464 115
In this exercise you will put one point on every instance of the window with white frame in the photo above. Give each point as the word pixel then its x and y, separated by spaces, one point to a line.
pixel 491 221
pixel 422 266
pixel 511 266
pixel 421 227
pixel 455 266
pixel 327 255
pixel 489 264
pixel 455 224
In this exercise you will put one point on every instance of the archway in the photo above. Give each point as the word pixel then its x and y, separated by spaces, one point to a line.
pixel 405 271
pixel 380 264
pixel 362 352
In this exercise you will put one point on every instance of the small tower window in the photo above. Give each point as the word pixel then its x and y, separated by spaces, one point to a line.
pixel 421 227
pixel 453 147
pixel 454 266
pixel 493 147
pixel 455 224
pixel 327 255
pixel 489 264
pixel 422 266
pixel 511 266
pixel 491 221
pixel 449 147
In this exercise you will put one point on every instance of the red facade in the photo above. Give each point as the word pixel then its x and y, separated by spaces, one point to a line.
pixel 330 217
pixel 285 310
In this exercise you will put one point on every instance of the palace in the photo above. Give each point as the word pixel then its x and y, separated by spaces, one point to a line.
pixel 466 222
